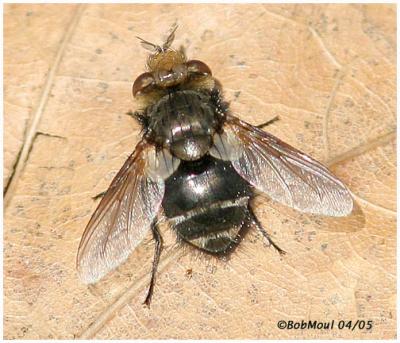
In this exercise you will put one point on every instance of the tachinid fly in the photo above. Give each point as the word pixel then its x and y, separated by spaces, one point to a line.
pixel 202 166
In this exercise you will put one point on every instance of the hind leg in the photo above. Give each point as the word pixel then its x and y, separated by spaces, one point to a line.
pixel 158 241
pixel 264 233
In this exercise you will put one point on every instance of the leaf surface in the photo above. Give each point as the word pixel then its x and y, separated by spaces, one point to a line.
pixel 328 71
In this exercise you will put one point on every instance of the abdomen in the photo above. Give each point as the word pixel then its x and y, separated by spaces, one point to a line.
pixel 207 203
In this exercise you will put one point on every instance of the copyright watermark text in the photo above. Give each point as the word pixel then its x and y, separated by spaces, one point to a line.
pixel 328 325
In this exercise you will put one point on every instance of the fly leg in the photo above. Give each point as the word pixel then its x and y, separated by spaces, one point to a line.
pixel 269 122
pixel 265 233
pixel 158 239
pixel 140 117
pixel 131 114
pixel 100 195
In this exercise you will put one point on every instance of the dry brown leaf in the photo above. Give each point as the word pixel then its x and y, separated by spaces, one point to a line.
pixel 328 71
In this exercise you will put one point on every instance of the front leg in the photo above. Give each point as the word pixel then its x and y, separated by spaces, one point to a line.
pixel 141 118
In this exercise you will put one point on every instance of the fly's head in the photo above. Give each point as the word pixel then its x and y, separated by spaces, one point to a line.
pixel 169 68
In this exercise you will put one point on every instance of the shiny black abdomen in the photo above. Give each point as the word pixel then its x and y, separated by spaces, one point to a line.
pixel 207 202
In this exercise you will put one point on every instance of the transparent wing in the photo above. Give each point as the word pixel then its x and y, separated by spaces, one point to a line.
pixel 122 218
pixel 284 173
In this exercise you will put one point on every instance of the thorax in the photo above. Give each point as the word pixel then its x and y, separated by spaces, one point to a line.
pixel 184 121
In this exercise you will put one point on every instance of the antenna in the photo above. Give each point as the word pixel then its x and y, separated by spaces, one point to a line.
pixel 157 48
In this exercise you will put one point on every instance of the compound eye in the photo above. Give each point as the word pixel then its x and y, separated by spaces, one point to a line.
pixel 196 67
pixel 143 83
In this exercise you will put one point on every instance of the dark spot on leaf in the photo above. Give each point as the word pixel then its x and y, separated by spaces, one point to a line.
pixel 207 35
pixel 311 235
pixel 349 103
pixel 103 86
pixel 113 35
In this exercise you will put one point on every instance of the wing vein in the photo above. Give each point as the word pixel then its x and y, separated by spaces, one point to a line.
pixel 286 174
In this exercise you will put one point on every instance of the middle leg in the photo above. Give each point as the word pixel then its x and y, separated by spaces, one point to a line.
pixel 158 240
